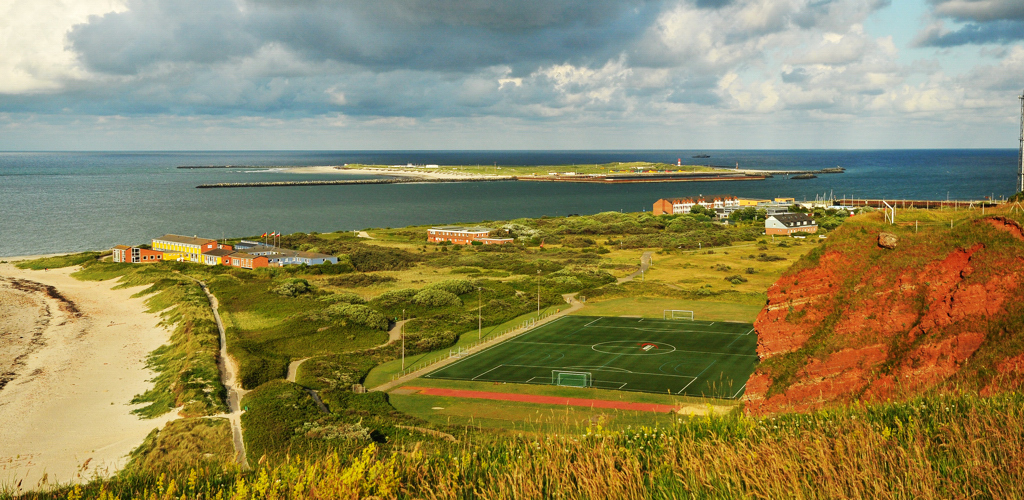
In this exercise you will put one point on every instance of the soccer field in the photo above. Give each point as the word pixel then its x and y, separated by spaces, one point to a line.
pixel 691 358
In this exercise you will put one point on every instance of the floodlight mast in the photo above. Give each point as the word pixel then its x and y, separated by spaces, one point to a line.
pixel 1020 152
pixel 479 318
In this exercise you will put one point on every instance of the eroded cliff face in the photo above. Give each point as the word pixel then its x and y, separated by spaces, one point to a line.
pixel 871 324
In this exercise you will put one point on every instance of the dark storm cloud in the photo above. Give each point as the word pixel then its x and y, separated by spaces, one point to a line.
pixel 999 32
pixel 979 10
pixel 988 22
pixel 445 35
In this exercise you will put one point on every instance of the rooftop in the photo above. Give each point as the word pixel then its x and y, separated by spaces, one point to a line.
pixel 188 240
pixel 474 229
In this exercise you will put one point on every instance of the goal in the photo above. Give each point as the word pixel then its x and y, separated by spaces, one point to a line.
pixel 571 379
pixel 677 314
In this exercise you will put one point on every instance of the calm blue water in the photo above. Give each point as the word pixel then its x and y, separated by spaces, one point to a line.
pixel 58 202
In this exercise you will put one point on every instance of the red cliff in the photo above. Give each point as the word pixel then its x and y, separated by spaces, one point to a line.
pixel 857 322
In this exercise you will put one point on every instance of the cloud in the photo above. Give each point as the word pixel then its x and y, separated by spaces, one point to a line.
pixel 986 22
pixel 979 10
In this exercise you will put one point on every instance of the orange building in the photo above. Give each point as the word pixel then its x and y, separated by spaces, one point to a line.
pixel 124 253
pixel 245 260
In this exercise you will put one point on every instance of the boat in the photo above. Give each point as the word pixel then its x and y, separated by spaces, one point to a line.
pixel 701 156
pixel 804 176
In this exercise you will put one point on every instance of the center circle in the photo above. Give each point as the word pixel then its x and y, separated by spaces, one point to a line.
pixel 634 348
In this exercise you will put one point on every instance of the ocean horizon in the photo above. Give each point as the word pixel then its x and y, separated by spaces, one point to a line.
pixel 66 201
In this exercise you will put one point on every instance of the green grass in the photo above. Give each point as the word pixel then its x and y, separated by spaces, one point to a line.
pixel 654 307
pixel 184 443
pixel 384 372
pixel 693 358
pixel 530 417
pixel 58 261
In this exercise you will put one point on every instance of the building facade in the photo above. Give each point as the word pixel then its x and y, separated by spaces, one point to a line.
pixel 790 223
pixel 677 206
pixel 245 260
pixel 135 255
pixel 464 235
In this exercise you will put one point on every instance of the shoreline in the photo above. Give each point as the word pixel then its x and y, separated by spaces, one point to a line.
pixel 66 411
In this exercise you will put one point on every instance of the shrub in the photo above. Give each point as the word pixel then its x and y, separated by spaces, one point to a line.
pixel 345 297
pixel 394 298
pixel 382 259
pixel 360 280
pixel 736 279
pixel 294 287
pixel 436 297
pixel 454 286
pixel 359 314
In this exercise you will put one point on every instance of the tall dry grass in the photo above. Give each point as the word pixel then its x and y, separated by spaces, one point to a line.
pixel 937 447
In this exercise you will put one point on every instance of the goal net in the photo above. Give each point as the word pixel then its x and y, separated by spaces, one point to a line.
pixel 571 379
pixel 677 314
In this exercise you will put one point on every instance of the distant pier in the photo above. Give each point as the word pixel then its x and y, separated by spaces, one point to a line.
pixel 926 204
pixel 396 180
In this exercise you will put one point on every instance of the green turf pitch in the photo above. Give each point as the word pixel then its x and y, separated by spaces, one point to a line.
pixel 691 358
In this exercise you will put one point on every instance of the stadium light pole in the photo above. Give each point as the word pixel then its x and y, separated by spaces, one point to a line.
pixel 538 294
pixel 402 331
pixel 479 318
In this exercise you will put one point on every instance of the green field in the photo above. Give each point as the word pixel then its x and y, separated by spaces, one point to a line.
pixel 681 357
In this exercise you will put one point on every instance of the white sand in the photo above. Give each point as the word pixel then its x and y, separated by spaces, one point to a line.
pixel 397 172
pixel 66 414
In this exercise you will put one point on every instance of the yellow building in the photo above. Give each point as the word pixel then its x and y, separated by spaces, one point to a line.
pixel 184 248
pixel 750 202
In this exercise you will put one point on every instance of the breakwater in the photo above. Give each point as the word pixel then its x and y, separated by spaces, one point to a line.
pixel 926 204
pixel 395 180
pixel 194 167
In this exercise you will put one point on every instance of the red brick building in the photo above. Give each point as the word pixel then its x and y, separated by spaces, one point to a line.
pixel 464 235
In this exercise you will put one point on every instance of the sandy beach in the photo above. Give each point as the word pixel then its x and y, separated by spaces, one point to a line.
pixel 73 362
pixel 396 172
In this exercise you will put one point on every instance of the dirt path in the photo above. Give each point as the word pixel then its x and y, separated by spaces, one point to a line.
pixel 229 377
pixel 293 369
pixel 645 263
pixel 395 334
pixel 574 305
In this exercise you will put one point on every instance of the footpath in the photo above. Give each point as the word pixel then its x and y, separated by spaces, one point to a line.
pixel 574 305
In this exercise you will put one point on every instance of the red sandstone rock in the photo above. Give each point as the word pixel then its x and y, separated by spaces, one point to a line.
pixel 935 317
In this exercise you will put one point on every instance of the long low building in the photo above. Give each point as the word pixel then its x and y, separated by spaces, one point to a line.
pixel 186 248
pixel 676 206
pixel 460 235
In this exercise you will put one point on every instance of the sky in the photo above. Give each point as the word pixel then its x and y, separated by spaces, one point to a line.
pixel 509 74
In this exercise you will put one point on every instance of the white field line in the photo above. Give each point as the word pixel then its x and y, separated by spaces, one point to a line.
pixel 748 333
pixel 486 372
pixel 738 392
pixel 592 322
pixel 697 377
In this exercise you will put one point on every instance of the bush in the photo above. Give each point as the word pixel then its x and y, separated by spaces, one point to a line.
pixel 394 298
pixel 359 314
pixel 454 286
pixel 382 259
pixel 435 297
pixel 294 287
pixel 736 279
pixel 360 280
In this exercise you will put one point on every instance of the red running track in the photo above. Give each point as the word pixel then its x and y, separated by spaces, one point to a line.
pixel 548 400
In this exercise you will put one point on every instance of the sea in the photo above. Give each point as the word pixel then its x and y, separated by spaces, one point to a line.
pixel 53 202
